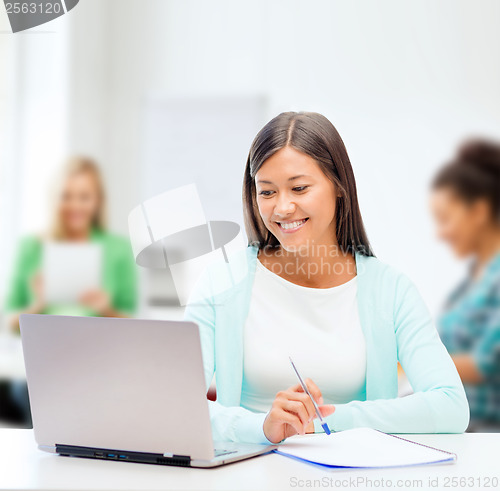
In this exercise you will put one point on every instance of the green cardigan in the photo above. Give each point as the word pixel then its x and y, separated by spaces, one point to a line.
pixel 119 278
pixel 397 327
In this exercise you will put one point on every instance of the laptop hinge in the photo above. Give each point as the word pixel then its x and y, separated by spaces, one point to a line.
pixel 123 455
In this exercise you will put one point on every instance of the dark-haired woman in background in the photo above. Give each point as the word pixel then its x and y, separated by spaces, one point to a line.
pixel 466 204
pixel 315 291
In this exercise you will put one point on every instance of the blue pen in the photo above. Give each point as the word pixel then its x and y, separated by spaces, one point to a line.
pixel 323 423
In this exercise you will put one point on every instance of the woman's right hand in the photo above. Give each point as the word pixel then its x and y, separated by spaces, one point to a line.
pixel 292 412
pixel 37 305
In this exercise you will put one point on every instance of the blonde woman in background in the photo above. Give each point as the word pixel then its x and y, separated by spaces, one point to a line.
pixel 79 216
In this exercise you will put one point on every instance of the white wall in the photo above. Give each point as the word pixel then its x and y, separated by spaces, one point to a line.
pixel 401 81
pixel 33 138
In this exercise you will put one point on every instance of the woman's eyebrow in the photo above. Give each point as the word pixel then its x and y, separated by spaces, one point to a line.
pixel 260 181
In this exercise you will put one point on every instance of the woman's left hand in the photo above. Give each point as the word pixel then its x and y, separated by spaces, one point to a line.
pixel 97 300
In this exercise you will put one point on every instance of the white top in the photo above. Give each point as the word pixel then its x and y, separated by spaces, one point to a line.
pixel 318 327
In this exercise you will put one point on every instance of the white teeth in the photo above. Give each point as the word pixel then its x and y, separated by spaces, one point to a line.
pixel 291 225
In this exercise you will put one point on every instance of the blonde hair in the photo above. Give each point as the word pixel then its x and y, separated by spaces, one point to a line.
pixel 73 166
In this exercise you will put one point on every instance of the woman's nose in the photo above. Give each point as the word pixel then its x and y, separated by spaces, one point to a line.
pixel 284 206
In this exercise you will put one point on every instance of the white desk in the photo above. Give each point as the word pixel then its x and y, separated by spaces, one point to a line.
pixel 23 466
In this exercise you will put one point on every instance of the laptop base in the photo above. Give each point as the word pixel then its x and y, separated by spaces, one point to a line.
pixel 109 454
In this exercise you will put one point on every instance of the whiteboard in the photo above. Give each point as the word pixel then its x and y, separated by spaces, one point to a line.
pixel 204 140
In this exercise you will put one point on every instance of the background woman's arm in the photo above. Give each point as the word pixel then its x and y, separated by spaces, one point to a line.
pixel 467 368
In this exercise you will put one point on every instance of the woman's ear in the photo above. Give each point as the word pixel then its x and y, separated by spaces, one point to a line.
pixel 482 211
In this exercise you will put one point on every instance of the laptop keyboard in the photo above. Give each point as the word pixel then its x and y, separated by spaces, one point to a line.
pixel 219 452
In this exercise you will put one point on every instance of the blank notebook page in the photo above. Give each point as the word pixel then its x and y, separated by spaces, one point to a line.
pixel 362 447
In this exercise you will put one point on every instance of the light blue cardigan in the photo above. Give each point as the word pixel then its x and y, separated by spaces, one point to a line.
pixel 397 327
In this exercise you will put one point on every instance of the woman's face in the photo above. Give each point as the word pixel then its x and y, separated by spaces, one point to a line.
pixel 459 224
pixel 296 200
pixel 80 202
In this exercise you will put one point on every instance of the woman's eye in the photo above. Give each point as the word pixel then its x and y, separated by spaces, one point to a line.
pixel 300 188
pixel 266 193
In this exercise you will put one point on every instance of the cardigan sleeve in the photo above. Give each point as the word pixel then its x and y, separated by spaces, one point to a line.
pixel 438 404
pixel 236 423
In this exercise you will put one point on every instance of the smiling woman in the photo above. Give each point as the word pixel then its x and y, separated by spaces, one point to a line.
pixel 315 292
pixel 309 151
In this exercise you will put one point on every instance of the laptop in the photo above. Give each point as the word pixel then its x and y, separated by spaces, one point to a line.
pixel 122 389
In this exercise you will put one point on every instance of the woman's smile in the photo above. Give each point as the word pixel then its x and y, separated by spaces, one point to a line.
pixel 291 226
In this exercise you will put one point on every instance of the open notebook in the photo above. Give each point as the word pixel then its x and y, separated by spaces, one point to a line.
pixel 362 448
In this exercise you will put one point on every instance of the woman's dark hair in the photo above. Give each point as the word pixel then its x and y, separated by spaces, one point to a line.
pixel 474 173
pixel 312 134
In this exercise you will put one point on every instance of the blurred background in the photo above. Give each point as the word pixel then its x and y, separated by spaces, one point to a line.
pixel 164 93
